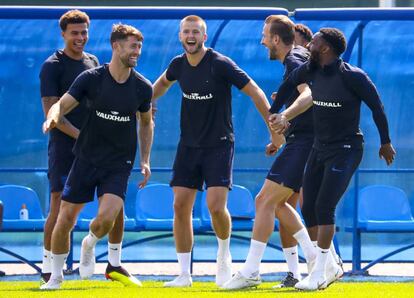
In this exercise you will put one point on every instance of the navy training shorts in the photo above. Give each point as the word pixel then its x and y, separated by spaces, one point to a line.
pixel 288 168
pixel 60 159
pixel 211 165
pixel 84 178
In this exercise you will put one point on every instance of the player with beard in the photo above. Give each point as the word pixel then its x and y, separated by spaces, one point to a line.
pixel 206 147
pixel 57 74
pixel 280 191
pixel 105 150
pixel 303 37
pixel 337 90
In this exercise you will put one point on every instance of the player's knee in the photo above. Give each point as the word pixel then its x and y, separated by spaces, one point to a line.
pixel 217 210
pixel 105 223
pixel 51 219
pixel 181 208
pixel 263 202
pixel 65 221
pixel 280 207
pixel 308 213
pixel 325 216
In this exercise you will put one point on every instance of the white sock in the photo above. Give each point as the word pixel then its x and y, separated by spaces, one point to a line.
pixel 252 265
pixel 292 260
pixel 184 260
pixel 223 248
pixel 331 260
pixel 333 252
pixel 321 259
pixel 114 254
pixel 91 239
pixel 315 244
pixel 58 261
pixel 46 261
pixel 302 237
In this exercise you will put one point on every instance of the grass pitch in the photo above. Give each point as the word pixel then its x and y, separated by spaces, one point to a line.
pixel 101 289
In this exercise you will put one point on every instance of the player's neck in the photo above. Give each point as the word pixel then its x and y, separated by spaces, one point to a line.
pixel 119 72
pixel 73 55
pixel 284 51
pixel 327 60
pixel 194 59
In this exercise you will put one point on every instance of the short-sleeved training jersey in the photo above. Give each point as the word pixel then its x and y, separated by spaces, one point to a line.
pixel 206 97
pixel 108 137
pixel 302 125
pixel 56 76
pixel 337 92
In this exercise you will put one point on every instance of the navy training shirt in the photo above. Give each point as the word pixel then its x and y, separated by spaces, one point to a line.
pixel 337 91
pixel 206 97
pixel 56 76
pixel 302 125
pixel 108 138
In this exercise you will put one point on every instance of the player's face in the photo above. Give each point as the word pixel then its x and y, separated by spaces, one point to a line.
pixel 75 37
pixel 269 42
pixel 129 51
pixel 192 36
pixel 316 47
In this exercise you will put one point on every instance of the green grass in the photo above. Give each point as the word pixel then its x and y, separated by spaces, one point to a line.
pixel 103 289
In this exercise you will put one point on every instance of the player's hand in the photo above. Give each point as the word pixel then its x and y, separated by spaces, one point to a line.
pixel 273 96
pixel 278 123
pixel 387 152
pixel 271 149
pixel 49 124
pixel 146 172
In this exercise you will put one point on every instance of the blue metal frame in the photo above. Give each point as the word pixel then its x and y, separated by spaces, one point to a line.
pixel 209 13
pixel 19 257
pixel 356 232
pixel 356 244
pixel 142 13
pixel 218 33
pixel 354 14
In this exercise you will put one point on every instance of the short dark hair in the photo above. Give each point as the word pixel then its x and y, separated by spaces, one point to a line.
pixel 281 25
pixel 335 38
pixel 73 17
pixel 122 32
pixel 304 31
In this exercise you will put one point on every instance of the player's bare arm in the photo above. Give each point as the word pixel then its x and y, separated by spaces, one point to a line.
pixel 161 85
pixel 262 105
pixel 64 125
pixel 258 97
pixel 145 136
pixel 55 114
pixel 280 122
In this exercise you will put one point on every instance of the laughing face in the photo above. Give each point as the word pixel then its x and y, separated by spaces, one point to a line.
pixel 75 37
pixel 317 46
pixel 192 36
pixel 129 51
pixel 269 42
